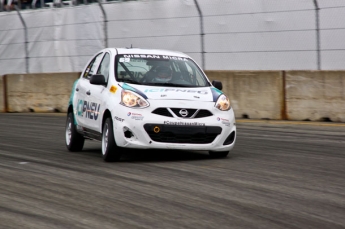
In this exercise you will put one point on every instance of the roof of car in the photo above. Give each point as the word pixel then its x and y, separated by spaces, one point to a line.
pixel 149 51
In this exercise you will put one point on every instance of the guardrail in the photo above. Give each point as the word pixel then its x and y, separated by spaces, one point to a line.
pixel 275 95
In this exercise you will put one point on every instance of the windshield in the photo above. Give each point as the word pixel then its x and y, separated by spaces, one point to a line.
pixel 159 70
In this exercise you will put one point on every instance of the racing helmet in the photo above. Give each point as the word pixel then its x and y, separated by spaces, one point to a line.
pixel 163 74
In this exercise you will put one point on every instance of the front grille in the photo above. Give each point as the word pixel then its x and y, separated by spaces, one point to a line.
pixel 163 112
pixel 177 112
pixel 182 134
pixel 192 113
pixel 203 114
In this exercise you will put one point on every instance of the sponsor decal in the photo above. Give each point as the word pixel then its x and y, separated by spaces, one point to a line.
pixel 135 116
pixel 164 57
pixel 142 56
pixel 184 123
pixel 204 92
pixel 226 122
pixel 124 59
pixel 119 119
pixel 138 118
pixel 113 89
pixel 88 109
pixel 72 93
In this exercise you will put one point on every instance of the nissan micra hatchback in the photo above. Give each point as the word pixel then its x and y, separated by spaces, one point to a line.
pixel 148 99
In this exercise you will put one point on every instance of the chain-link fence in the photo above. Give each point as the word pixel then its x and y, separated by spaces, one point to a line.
pixel 218 34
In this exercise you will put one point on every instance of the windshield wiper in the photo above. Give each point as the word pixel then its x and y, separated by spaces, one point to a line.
pixel 129 81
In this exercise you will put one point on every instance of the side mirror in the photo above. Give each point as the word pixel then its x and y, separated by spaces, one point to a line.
pixel 217 84
pixel 98 80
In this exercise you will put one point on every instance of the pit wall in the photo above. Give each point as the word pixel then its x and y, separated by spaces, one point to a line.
pixel 276 95
pixel 43 92
pixel 253 94
pixel 2 98
pixel 315 95
pixel 285 95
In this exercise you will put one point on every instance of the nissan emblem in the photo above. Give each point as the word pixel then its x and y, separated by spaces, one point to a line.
pixel 183 112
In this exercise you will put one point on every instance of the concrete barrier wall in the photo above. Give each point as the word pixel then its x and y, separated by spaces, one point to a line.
pixel 253 94
pixel 42 92
pixel 315 95
pixel 2 96
pixel 307 95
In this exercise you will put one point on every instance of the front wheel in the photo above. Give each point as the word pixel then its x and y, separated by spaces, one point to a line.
pixel 218 154
pixel 110 151
pixel 74 140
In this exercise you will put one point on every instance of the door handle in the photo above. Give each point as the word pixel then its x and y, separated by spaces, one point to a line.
pixel 88 93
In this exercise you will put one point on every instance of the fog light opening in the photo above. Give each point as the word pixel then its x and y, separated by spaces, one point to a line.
pixel 127 132
pixel 156 129
pixel 230 139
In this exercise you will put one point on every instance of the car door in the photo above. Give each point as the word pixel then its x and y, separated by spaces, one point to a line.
pixel 86 107
pixel 95 94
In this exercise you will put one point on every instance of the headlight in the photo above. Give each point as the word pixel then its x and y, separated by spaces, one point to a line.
pixel 223 103
pixel 131 99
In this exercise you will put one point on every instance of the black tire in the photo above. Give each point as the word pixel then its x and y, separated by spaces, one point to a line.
pixel 74 140
pixel 110 151
pixel 220 154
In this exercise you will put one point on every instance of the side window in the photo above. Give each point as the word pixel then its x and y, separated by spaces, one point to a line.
pixel 104 67
pixel 91 68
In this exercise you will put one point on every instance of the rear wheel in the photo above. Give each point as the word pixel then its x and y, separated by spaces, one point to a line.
pixel 220 154
pixel 74 140
pixel 110 151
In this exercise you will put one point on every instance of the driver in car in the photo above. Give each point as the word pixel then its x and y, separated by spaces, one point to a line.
pixel 163 75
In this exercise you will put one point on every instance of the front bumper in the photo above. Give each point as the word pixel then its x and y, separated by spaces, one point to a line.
pixel 182 134
pixel 140 128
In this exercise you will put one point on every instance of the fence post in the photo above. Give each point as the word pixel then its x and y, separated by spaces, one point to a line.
pixel 105 26
pixel 201 34
pixel 317 18
pixel 26 40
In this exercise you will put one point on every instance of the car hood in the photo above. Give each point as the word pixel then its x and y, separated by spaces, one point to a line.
pixel 205 94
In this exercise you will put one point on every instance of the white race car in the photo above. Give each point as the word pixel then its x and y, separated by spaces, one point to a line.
pixel 148 99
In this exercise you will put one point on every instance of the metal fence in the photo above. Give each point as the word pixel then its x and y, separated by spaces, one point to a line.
pixel 219 34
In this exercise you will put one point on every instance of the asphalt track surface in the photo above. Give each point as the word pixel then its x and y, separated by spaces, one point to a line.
pixel 279 175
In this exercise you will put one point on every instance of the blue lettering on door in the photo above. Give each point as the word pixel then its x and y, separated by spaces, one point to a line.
pixel 88 109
